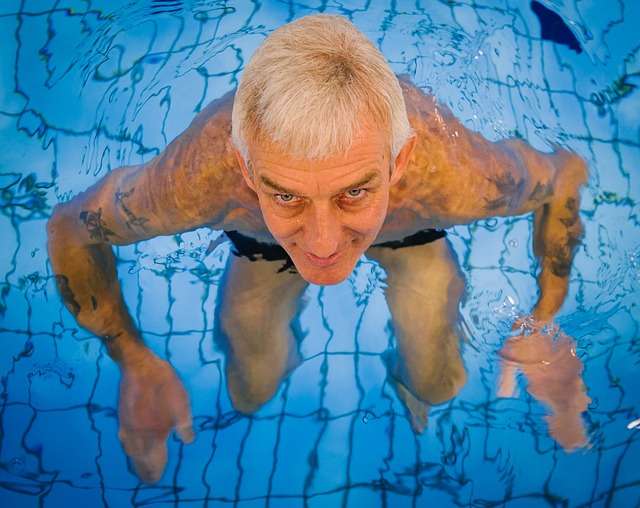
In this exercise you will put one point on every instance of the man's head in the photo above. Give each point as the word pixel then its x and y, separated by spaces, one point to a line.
pixel 321 131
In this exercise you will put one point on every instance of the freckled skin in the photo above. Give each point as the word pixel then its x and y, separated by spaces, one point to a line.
pixel 445 175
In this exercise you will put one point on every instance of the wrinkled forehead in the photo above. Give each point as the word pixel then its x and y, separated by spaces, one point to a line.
pixel 320 180
pixel 370 146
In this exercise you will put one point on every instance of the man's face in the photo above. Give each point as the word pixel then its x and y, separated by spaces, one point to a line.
pixel 326 213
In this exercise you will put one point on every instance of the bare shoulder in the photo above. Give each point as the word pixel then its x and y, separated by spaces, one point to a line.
pixel 428 193
pixel 194 182
pixel 457 176
pixel 206 180
pixel 206 139
pixel 215 115
pixel 419 104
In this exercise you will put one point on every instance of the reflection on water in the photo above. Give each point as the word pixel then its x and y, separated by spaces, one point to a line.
pixel 90 86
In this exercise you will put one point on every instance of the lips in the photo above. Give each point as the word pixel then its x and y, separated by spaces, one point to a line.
pixel 321 262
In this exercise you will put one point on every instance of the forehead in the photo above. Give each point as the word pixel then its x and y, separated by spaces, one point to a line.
pixel 369 149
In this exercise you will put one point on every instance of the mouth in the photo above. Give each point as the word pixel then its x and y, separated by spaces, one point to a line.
pixel 322 262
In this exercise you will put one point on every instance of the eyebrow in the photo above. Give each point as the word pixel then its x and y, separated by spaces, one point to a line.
pixel 368 178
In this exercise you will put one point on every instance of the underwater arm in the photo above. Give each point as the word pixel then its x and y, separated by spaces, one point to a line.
pixel 545 355
pixel 522 180
pixel 557 233
pixel 547 184
pixel 181 189
pixel 80 233
pixel 550 188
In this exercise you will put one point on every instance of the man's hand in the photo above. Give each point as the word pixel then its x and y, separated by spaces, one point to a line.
pixel 547 357
pixel 152 402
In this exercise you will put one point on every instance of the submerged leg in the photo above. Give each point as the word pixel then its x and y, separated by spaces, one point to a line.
pixel 256 306
pixel 424 287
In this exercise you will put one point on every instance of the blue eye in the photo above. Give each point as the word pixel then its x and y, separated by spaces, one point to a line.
pixel 285 198
pixel 356 193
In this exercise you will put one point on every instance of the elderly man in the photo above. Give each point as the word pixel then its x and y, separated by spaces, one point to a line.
pixel 320 156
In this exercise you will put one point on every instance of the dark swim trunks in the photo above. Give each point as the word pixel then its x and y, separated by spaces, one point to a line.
pixel 245 246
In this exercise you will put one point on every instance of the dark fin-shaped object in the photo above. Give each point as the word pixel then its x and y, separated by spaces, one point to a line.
pixel 554 28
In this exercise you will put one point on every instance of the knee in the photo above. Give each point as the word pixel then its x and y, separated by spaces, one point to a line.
pixel 444 386
pixel 235 321
pixel 249 393
pixel 572 169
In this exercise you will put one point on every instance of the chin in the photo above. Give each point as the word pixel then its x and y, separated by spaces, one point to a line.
pixel 324 276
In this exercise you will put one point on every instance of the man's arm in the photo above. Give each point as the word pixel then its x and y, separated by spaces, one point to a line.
pixel 188 185
pixel 194 182
pixel 459 177
pixel 557 232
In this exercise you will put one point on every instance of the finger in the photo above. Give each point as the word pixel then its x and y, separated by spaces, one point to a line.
pixel 132 443
pixel 184 425
pixel 507 380
pixel 418 409
pixel 150 465
pixel 179 404
pixel 137 443
pixel 185 433
pixel 568 430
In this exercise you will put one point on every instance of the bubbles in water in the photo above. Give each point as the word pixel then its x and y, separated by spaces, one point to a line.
pixel 513 243
pixel 56 369
pixel 508 308
pixel 526 325
pixel 634 264
pixel 366 416
pixel 491 224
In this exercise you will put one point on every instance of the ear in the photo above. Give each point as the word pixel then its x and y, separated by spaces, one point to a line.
pixel 247 175
pixel 402 160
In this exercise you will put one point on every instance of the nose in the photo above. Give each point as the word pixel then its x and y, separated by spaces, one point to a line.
pixel 322 230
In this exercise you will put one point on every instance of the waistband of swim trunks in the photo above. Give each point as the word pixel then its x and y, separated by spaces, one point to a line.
pixel 420 238
pixel 250 248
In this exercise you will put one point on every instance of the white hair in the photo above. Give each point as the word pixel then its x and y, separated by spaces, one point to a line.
pixel 309 86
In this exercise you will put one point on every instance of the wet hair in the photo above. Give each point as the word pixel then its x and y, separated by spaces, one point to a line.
pixel 309 87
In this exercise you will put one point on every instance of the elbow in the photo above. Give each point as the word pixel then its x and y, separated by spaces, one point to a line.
pixel 60 225
pixel 570 167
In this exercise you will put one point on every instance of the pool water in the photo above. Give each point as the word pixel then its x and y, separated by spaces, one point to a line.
pixel 88 86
